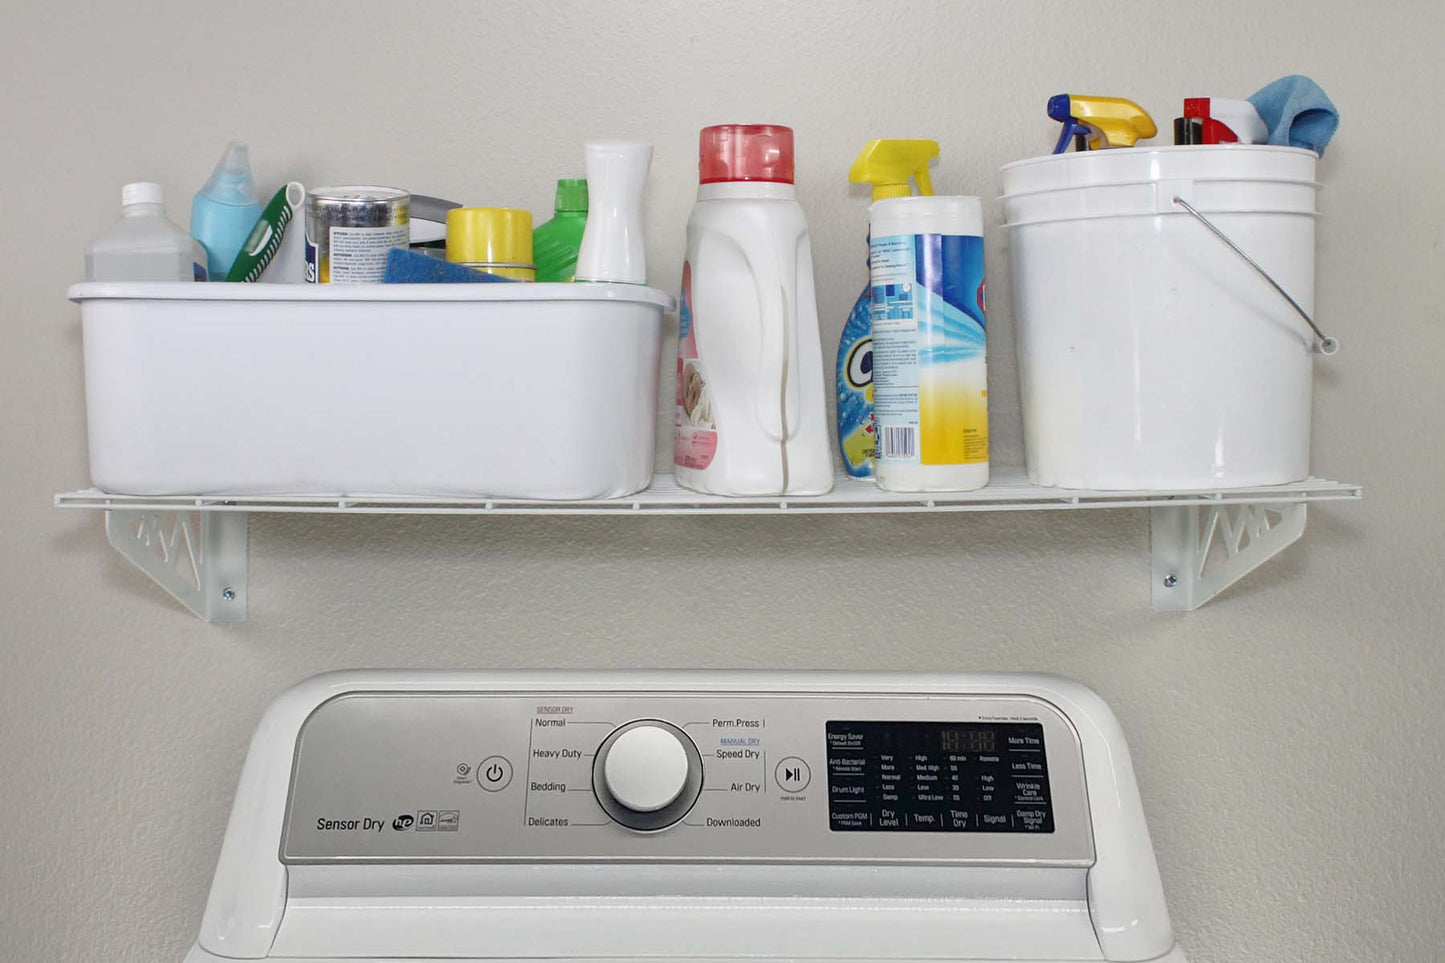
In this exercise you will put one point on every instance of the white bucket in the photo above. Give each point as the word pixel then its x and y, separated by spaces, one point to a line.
pixel 1151 355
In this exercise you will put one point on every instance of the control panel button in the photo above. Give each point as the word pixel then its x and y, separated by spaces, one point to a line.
pixel 494 773
pixel 792 775
pixel 646 768
pixel 647 775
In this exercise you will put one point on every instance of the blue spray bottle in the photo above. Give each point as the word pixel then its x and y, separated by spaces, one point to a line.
pixel 887 165
pixel 225 210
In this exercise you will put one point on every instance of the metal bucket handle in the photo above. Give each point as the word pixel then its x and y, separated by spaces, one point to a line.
pixel 1324 344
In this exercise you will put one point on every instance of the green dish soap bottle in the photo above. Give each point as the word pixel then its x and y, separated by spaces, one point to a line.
pixel 555 243
pixel 887 165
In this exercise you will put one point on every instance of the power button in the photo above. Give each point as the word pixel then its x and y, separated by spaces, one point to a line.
pixel 494 773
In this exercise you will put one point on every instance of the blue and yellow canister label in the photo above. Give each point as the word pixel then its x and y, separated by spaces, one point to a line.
pixel 930 374
pixel 857 438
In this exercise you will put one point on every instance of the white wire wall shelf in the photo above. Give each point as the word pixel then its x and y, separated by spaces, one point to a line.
pixel 1202 540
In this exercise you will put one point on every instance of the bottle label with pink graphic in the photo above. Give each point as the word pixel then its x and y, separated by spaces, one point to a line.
pixel 695 432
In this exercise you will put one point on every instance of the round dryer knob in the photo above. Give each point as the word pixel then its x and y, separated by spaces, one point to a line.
pixel 646 768
pixel 647 774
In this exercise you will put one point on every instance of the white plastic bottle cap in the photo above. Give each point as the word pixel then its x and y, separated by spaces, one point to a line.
pixel 142 192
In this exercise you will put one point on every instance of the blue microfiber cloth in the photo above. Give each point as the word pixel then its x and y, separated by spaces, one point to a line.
pixel 1298 113
pixel 410 267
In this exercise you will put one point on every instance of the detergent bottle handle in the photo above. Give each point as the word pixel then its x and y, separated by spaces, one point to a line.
pixel 770 264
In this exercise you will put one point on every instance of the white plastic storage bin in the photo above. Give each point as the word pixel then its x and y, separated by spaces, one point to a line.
pixel 1150 354
pixel 511 390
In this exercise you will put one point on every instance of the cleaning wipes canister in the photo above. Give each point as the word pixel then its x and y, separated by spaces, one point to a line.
pixel 930 377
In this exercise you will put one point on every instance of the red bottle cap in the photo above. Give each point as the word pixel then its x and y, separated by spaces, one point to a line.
pixel 745 152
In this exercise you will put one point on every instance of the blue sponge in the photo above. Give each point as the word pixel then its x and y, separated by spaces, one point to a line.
pixel 409 267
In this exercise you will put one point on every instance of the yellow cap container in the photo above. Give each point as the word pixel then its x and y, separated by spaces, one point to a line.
pixel 497 240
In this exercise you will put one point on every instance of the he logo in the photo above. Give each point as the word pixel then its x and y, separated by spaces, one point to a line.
pixel 403 822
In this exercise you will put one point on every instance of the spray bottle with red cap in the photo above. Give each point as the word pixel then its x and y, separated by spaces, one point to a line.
pixel 752 415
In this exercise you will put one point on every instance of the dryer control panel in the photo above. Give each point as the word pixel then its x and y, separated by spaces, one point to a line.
pixel 557 776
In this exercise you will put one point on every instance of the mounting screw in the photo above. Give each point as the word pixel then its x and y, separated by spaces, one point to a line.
pixel 229 594
pixel 1169 581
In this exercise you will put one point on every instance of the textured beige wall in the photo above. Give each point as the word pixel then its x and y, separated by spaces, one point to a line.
pixel 1287 736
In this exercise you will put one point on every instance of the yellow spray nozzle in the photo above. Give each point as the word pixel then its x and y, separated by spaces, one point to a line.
pixel 1110 121
pixel 888 164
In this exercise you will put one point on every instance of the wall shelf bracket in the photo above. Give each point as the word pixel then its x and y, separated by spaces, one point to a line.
pixel 1200 550
pixel 199 557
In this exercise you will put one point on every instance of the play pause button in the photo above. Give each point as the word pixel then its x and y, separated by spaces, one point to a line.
pixel 792 775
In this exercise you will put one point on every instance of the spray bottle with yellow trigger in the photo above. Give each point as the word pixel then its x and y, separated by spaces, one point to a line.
pixel 887 165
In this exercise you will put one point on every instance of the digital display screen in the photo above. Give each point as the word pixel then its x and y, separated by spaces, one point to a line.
pixel 938 777
pixel 973 739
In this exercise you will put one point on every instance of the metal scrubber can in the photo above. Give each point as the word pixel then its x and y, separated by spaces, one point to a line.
pixel 349 231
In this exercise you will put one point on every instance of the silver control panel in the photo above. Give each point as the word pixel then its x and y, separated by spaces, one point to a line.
pixel 472 777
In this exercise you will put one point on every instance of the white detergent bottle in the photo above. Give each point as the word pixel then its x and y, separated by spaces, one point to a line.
pixel 752 416
pixel 144 245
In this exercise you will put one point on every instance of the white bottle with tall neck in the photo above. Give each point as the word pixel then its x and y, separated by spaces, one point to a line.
pixel 752 416
pixel 612 249
pixel 144 245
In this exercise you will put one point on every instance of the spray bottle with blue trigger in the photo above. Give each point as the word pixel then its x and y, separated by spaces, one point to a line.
pixel 1099 122
pixel 888 165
